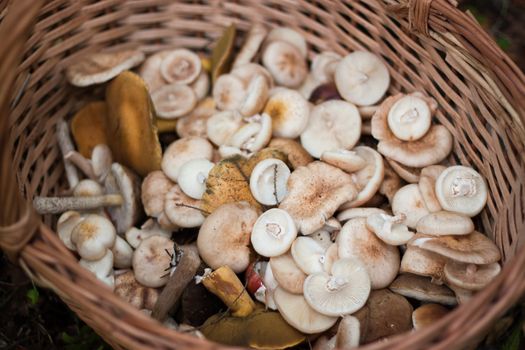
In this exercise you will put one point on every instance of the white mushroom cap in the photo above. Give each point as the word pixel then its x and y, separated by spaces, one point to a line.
pixel 221 126
pixel 122 253
pixel 150 71
pixel 287 274
pixel 251 45
pixel 308 255
pixel 362 78
pixel 390 229
pixel 201 86
pixel 445 223
pixel 65 225
pixel 192 177
pixel 428 314
pixel 421 288
pixel 409 118
pixel 93 237
pixel 362 212
pixel 88 188
pixel 228 92
pixel 462 190
pixel 150 228
pixel 182 151
pixel 290 36
pixel 248 71
pixel 423 263
pixel 100 67
pixel 285 63
pixel 323 66
pixel 101 160
pixel 181 209
pixel 296 311
pixel 270 284
pixel 273 233
pixel 381 260
pixel 254 135
pixel 408 201
pixel 224 237
pixel 268 181
pixel 332 125
pixel 154 188
pixel 343 291
pixel 427 186
pixel 344 159
pixel 322 236
pixel 289 112
pixel 180 66
pixel 255 97
pixel 151 259
pixel 470 276
pixel 173 100
pixel 331 256
pixel 348 333
pixel 102 268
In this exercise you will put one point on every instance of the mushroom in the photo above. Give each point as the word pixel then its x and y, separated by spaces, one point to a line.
pixel 308 255
pixel 195 123
pixel 174 100
pixel 248 71
pixel 409 174
pixel 421 288
pixel 139 296
pixel 255 97
pixel 362 78
pixel 323 66
pixel 273 233
pixel 93 236
pixel 314 194
pixel 409 118
pixel 390 229
pixel 181 210
pixel 154 188
pixel 427 186
pixel 180 66
pixel 348 333
pixel 201 86
pixel 409 202
pixel 65 225
pixel 254 135
pixel 150 228
pixel 290 36
pixel 285 63
pixel 462 190
pixel 102 268
pixel 151 259
pixel 122 253
pixel 228 92
pixel 423 263
pixel 331 256
pixel 192 177
pixel 296 311
pixel 332 125
pixel 474 248
pixel 445 223
pixel 381 260
pixel 323 237
pixel 150 71
pixel 224 237
pixel 428 314
pixel 361 212
pixel 343 291
pixel 392 182
pixel 297 155
pixel 221 126
pixel 182 151
pixel 287 274
pixel 462 295
pixel 344 159
pixel 88 128
pixel 252 43
pixel 470 276
pixel 289 112
pixel 100 67
pixel 268 181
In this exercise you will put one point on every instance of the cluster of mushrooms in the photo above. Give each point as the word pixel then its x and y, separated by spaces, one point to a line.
pixel 292 205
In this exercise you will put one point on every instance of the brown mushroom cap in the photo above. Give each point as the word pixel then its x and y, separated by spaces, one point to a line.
pixel 427 186
pixel 428 314
pixel 286 272
pixel 423 263
pixel 296 154
pixel 127 287
pixel 470 276
pixel 224 237
pixel 314 194
pixel 154 188
pixel 445 223
pixel 474 248
pixel 462 295
pixel 88 127
pixel 421 288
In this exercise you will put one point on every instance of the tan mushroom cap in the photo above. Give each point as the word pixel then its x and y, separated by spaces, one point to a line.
pixel 93 236
pixel 102 66
pixel 180 66
pixel 474 248
pixel 290 36
pixel 287 274
pixel 470 276
pixel 428 314
pixel 297 155
pixel 221 126
pixel 248 71
pixel 273 233
pixel 150 228
pixel 409 202
pixel 381 260
pixel 201 86
pixel 252 43
pixel 122 253
pixel 181 209
pixel 285 63
pixel 139 296
pixel 461 189
pixel 154 188
pixel 445 223
pixel 348 333
pixel 409 174
pixel 308 255
pixel 228 92
pixel 289 112
pixel 195 123
pixel 88 188
pixel 224 237
pixel 390 229
pixel 344 159
pixel 151 259
pixel 314 194
pixel 65 225
pixel 173 101
pixel 421 288
pixel 182 151
pixel 392 182
pixel 427 186
pixel 361 212
pixel 150 71
pixel 296 311
pixel 423 263
pixel 323 66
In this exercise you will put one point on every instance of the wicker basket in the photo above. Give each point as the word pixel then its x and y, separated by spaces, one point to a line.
pixel 428 45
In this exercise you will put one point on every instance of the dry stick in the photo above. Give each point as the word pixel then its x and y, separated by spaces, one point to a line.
pixel 275 183
pixel 57 205
pixel 192 207
pixel 82 163
pixel 66 145
pixel 184 273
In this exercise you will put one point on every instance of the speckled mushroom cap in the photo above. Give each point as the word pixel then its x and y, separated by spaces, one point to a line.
pixel 445 223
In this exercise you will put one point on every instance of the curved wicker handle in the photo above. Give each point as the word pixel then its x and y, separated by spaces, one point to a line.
pixel 18 221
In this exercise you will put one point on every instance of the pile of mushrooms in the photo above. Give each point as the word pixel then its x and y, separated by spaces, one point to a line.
pixel 263 202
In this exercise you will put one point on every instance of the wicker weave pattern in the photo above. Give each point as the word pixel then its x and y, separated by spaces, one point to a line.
pixel 428 45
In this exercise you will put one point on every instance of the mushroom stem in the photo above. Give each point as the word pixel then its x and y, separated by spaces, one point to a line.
pixel 464 187
pixel 471 269
pixel 57 205
pixel 183 274
pixel 82 163
pixel 66 145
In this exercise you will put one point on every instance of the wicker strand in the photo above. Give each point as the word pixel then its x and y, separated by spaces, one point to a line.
pixel 418 12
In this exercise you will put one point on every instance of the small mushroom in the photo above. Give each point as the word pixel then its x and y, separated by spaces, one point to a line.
pixel 122 253
pixel 182 151
pixel 297 155
pixel 285 63
pixel 323 237
pixel 273 233
pixel 289 112
pixel 139 296
pixel 201 86
pixel 102 268
pixel 421 288
pixel 470 276
pixel 362 78
pixel 150 260
pixel 65 144
pixel 228 92
pixel 182 210
pixel 344 159
pixel 224 237
pixel 251 45
pixel 410 118
pixel 296 311
pixel 462 295
pixel 462 190
pixel 173 100
pixel 150 71
pixel 195 123
pixel 348 333
pixel 192 177
pixel 474 248
pixel 423 263
pixel 390 229
pixel 65 225
pixel 315 192
pixel 323 66
pixel 343 291
pixel 427 186
pixel 221 126
pixel 100 67
pixel 268 181
pixel 88 188
pixel 255 97
pixel 288 275
pixel 150 228
pixel 290 36
pixel 248 71
pixel 93 236
pixel 308 255
pixel 409 202
pixel 361 212
pixel 254 135
pixel 409 174
pixel 381 260
pixel 180 66
pixel 331 256
pixel 428 314
pixel 445 223
pixel 154 188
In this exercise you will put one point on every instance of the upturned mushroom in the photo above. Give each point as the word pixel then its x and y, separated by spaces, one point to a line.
pixel 308 255
pixel 344 159
pixel 421 288
pixel 285 63
pixel 428 314
pixel 192 177
pixel 423 263
pixel 221 126
pixel 348 333
pixel 390 229
pixel 173 100
pixel 182 151
pixel 288 275
pixel 139 296
pixel 182 210
pixel 151 259
pixel 445 223
pixel 93 236
pixel 470 276
pixel 409 202
pixel 254 135
pixel 360 212
pixel 268 181
pixel 273 233
pixel 255 97
pixel 410 118
pixel 315 192
pixel 289 112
